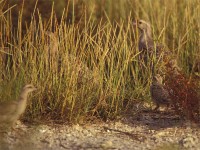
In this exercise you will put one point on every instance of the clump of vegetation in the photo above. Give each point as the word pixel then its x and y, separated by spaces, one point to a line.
pixel 184 95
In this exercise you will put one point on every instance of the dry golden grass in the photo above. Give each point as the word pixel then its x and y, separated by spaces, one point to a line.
pixel 89 67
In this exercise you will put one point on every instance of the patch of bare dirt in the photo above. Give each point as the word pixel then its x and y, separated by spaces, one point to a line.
pixel 145 130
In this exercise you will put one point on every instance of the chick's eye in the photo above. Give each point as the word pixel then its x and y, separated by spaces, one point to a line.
pixel 140 22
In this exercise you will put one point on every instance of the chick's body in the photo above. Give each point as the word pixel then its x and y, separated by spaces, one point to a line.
pixel 158 93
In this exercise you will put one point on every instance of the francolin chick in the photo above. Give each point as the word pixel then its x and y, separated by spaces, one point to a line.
pixel 11 111
pixel 173 67
pixel 158 93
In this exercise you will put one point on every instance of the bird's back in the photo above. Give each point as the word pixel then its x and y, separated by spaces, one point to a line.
pixel 159 94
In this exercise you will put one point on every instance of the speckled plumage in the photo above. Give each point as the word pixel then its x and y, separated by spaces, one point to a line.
pixel 173 67
pixel 158 93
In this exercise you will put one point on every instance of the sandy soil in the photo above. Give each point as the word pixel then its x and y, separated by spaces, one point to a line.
pixel 143 131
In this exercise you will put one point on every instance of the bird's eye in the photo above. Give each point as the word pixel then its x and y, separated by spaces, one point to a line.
pixel 140 22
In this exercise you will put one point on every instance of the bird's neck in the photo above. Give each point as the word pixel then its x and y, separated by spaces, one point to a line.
pixel 22 102
pixel 146 36
pixel 23 96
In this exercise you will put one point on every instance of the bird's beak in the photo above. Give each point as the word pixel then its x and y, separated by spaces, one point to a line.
pixel 135 23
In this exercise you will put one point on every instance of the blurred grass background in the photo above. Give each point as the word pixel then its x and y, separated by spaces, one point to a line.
pixel 83 56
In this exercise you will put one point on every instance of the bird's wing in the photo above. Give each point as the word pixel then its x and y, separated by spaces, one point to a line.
pixel 159 93
pixel 165 98
pixel 148 46
pixel 151 48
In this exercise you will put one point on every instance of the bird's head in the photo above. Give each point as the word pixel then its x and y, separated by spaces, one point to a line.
pixel 173 63
pixel 29 88
pixel 157 78
pixel 142 25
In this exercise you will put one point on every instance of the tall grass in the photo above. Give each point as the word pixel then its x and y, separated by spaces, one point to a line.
pixel 90 68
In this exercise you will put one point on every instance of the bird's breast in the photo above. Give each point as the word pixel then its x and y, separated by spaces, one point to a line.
pixel 21 107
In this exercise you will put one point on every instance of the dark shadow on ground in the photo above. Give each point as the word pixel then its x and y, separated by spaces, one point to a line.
pixel 139 114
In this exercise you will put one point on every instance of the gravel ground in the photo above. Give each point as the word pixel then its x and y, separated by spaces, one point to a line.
pixel 144 131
